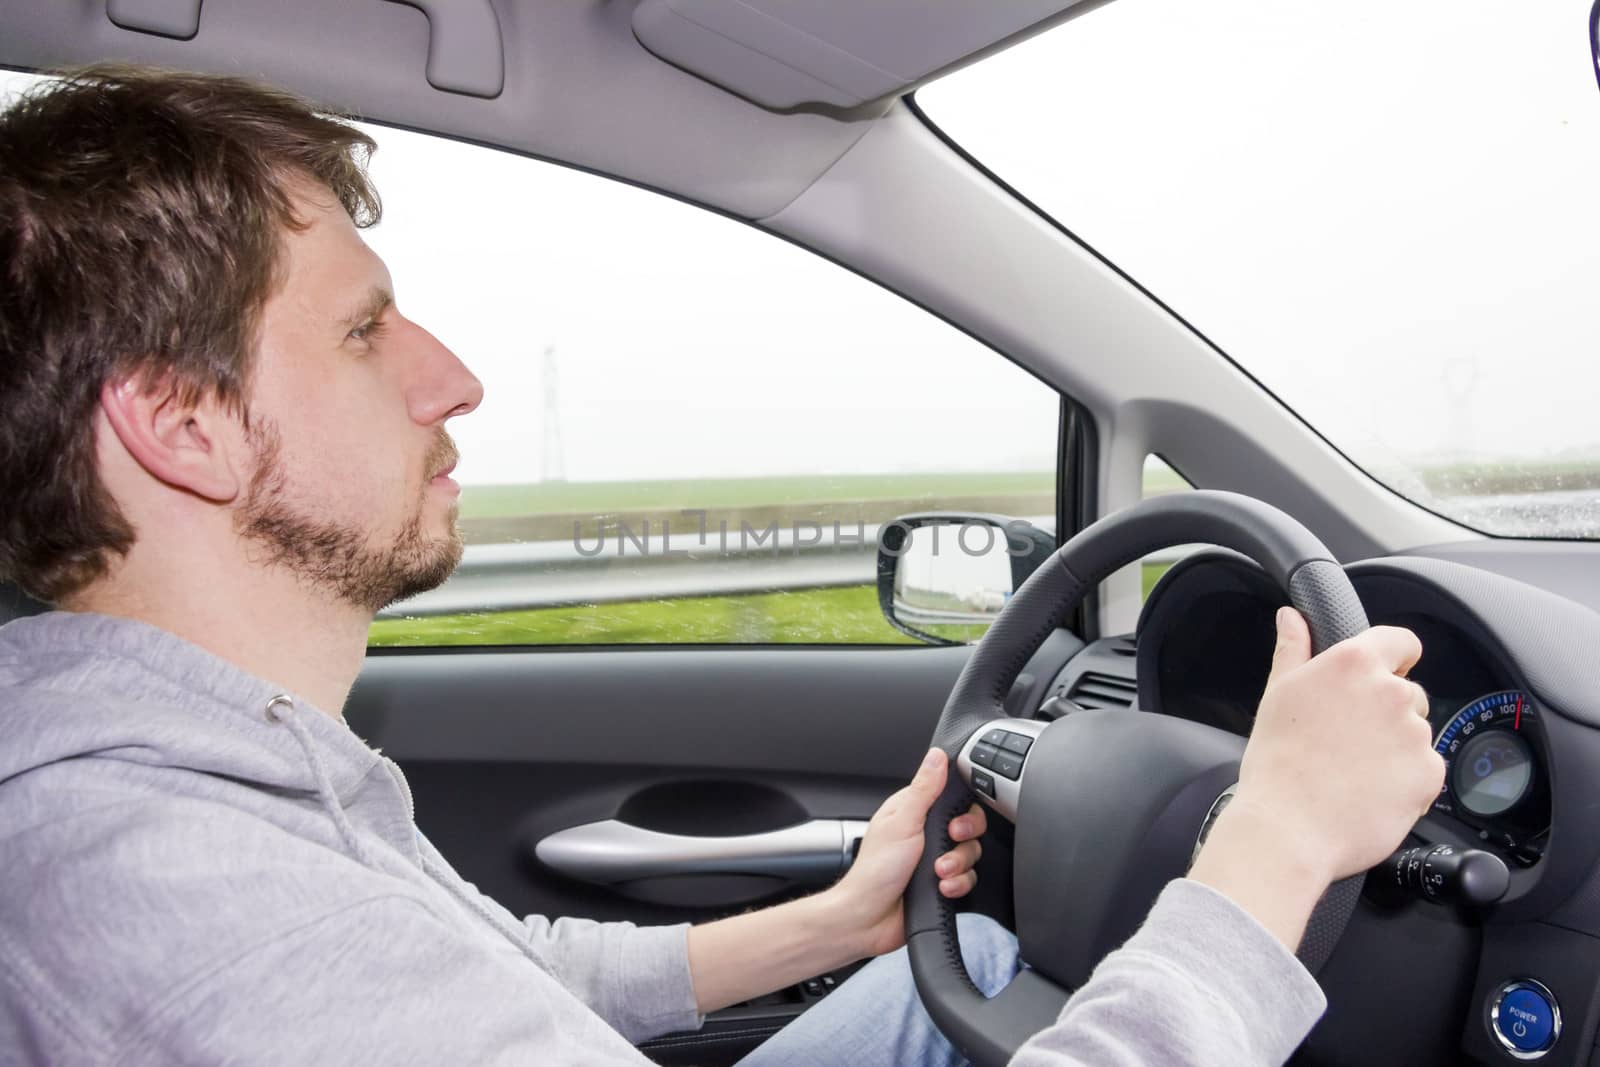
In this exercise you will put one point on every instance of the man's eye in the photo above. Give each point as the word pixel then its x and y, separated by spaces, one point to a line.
pixel 367 331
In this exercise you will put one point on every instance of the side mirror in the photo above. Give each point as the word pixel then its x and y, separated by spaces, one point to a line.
pixel 943 577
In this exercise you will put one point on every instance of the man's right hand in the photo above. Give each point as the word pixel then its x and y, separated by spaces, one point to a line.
pixel 1339 767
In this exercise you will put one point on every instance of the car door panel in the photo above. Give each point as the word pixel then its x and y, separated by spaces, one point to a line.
pixel 506 748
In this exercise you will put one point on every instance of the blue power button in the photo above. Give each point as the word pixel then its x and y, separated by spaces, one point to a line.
pixel 1526 1019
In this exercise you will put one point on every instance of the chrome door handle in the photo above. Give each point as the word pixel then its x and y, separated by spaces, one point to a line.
pixel 611 852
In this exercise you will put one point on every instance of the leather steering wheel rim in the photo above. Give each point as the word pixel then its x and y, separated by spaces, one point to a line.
pixel 984 1030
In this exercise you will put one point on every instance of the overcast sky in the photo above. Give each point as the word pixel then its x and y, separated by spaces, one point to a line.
pixel 1388 211
pixel 1385 210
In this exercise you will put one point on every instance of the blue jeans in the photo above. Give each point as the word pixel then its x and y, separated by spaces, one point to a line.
pixel 875 1018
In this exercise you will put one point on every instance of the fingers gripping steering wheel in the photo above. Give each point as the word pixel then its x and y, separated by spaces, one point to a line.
pixel 1107 804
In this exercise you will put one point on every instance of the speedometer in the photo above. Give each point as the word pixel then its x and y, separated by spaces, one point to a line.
pixel 1493 774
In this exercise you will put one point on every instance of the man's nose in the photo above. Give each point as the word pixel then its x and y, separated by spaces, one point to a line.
pixel 442 387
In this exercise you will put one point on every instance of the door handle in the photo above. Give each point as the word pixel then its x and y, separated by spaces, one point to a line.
pixel 611 852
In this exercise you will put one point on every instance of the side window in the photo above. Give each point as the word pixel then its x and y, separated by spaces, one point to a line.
pixel 692 431
pixel 1160 479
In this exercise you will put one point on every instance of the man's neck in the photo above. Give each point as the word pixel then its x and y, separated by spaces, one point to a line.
pixel 276 631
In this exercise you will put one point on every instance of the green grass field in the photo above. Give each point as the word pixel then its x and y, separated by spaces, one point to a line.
pixel 1480 479
pixel 560 510
pixel 847 615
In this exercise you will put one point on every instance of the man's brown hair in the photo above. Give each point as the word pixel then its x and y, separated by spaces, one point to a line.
pixel 141 220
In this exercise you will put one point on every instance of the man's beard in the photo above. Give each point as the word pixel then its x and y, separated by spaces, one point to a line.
pixel 336 559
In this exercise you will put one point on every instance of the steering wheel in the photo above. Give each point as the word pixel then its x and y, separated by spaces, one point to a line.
pixel 1108 805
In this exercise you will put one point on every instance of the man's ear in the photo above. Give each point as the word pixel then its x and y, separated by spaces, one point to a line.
pixel 188 445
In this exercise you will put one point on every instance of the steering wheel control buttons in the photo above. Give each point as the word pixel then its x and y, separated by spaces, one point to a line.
pixel 1525 1019
pixel 1002 752
pixel 1018 743
pixel 992 760
pixel 1008 765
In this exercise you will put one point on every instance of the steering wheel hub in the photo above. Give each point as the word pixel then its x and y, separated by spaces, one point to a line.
pixel 1124 795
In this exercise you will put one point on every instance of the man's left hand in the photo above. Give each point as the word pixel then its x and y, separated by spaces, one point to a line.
pixel 876 882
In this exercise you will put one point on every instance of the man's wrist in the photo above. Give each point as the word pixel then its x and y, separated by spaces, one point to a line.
pixel 844 920
pixel 744 956
pixel 1270 867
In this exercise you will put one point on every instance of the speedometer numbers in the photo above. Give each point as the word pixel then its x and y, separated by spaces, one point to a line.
pixel 1494 780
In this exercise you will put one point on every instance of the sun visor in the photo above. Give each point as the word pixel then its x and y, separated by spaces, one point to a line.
pixel 785 54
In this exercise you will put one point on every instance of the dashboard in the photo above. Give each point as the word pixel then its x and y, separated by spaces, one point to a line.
pixel 1488 729
pixel 1512 674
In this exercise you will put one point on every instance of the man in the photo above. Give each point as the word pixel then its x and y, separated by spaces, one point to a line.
pixel 223 450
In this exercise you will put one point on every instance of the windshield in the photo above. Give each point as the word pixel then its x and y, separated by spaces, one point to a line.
pixel 1388 214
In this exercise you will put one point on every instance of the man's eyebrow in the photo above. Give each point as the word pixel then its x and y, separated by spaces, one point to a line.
pixel 376 301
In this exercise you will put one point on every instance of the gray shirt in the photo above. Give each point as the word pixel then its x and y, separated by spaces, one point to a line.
pixel 198 871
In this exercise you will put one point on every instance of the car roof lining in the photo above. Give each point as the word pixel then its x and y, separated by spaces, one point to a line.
pixel 578 88
pixel 569 80
pixel 785 54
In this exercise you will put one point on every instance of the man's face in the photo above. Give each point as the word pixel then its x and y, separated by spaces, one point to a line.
pixel 347 414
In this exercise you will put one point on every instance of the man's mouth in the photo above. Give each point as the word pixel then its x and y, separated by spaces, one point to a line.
pixel 443 481
pixel 444 455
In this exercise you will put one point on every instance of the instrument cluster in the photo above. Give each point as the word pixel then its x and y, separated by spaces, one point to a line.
pixel 1489 729
pixel 1496 779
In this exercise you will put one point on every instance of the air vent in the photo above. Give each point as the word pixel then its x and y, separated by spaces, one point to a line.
pixel 1123 646
pixel 1096 690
